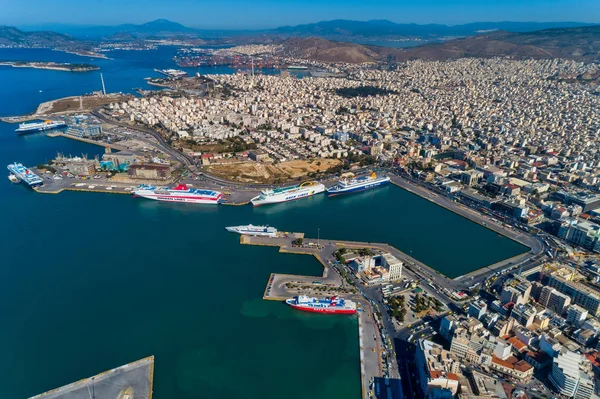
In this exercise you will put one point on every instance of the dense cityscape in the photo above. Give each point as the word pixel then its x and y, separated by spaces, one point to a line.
pixel 510 144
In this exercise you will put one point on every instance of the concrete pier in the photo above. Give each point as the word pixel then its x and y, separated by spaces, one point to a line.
pixel 133 380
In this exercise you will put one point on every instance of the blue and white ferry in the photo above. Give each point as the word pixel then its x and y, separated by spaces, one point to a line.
pixel 23 174
pixel 361 183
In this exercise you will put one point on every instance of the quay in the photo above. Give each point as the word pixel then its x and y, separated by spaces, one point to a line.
pixel 133 380
pixel 283 286
pixel 94 142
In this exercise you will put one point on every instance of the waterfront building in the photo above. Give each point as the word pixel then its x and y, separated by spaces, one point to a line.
pixel 570 376
pixel 149 171
pixel 581 294
pixel 470 177
pixel 393 265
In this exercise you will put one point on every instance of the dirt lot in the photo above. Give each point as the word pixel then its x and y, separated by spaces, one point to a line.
pixel 71 104
pixel 255 172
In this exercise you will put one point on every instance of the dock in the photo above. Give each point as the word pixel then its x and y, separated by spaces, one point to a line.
pixel 283 286
pixel 133 380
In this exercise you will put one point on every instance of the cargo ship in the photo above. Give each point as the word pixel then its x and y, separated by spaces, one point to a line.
pixel 285 194
pixel 252 230
pixel 23 174
pixel 40 126
pixel 333 305
pixel 181 193
pixel 361 183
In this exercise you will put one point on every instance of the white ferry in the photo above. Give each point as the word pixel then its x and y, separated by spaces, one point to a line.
pixel 181 193
pixel 252 230
pixel 361 183
pixel 40 126
pixel 285 194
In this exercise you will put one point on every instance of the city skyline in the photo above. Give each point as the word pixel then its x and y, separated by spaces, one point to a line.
pixel 270 14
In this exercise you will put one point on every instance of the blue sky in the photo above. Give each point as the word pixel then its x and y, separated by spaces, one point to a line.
pixel 243 14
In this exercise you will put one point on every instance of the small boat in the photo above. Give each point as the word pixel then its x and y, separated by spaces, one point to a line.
pixel 13 178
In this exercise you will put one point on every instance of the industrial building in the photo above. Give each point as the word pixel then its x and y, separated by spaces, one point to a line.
pixel 150 172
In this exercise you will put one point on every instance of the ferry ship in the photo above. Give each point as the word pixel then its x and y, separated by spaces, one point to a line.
pixel 24 174
pixel 361 183
pixel 172 73
pixel 252 230
pixel 181 193
pixel 333 305
pixel 285 194
pixel 39 126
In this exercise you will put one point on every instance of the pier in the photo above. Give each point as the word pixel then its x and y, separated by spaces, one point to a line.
pixel 133 380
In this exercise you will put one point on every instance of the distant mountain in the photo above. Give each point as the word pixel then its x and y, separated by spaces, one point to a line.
pixel 11 36
pixel 385 29
pixel 160 28
pixel 580 44
pixel 339 29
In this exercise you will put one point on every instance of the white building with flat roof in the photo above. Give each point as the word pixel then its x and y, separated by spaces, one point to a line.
pixel 569 377
pixel 393 265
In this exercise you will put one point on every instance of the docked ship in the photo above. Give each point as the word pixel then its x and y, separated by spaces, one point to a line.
pixel 361 183
pixel 251 230
pixel 181 193
pixel 285 194
pixel 40 126
pixel 23 174
pixel 172 73
pixel 333 305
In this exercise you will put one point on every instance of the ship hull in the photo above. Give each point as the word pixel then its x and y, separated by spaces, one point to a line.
pixel 177 198
pixel 250 233
pixel 333 191
pixel 326 310
pixel 39 129
pixel 256 201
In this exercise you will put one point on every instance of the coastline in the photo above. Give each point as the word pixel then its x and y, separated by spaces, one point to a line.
pixel 64 67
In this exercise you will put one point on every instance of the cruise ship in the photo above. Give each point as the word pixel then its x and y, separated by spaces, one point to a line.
pixel 252 230
pixel 285 194
pixel 39 126
pixel 181 193
pixel 25 175
pixel 333 305
pixel 361 183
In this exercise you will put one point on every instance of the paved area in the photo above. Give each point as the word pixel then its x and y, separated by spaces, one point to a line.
pixel 370 347
pixel 133 379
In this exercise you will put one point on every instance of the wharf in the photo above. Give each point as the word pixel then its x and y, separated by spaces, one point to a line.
pixel 283 286
pixel 133 380
pixel 89 141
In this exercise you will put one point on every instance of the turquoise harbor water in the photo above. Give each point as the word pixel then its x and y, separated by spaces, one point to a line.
pixel 92 281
